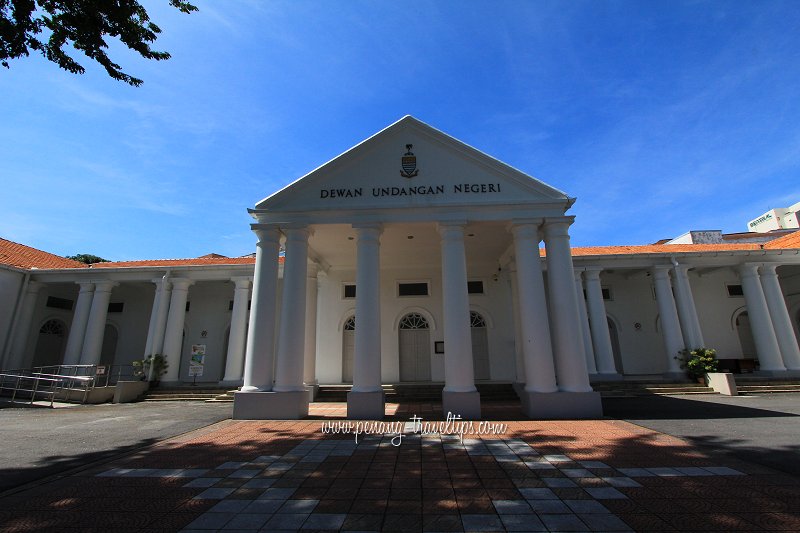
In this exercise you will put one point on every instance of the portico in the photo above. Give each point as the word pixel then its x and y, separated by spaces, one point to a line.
pixel 396 240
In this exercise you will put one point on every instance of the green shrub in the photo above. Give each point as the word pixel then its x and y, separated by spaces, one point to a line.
pixel 698 362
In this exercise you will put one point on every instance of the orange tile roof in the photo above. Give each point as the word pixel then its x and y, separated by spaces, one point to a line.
pixel 21 256
pixel 659 249
pixel 197 261
pixel 787 241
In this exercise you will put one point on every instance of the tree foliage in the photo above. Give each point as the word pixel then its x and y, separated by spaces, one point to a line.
pixel 47 26
pixel 87 258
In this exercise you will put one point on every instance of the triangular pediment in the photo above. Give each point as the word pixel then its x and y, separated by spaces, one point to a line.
pixel 436 171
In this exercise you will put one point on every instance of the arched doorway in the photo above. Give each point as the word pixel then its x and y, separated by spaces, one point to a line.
pixel 480 345
pixel 109 349
pixel 348 349
pixel 415 348
pixel 745 336
pixel 51 343
pixel 614 336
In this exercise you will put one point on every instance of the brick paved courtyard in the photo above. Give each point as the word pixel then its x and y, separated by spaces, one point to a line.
pixel 603 475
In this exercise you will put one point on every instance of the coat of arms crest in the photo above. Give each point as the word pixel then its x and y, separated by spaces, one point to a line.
pixel 409 163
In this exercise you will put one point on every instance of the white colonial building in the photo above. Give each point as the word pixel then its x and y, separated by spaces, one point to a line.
pixel 413 257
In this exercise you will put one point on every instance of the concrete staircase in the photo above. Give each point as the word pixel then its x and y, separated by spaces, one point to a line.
pixel 630 389
pixel 184 394
pixel 418 392
pixel 749 385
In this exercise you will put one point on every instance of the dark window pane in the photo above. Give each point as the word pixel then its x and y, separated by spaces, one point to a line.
pixel 413 289
pixel 735 290
pixel 115 307
pixel 349 291
pixel 475 287
pixel 59 303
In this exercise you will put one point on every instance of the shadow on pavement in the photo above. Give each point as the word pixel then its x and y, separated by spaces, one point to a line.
pixel 47 466
pixel 671 408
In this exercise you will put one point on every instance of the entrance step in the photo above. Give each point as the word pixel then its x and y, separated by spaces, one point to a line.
pixel 625 389
pixel 418 392
pixel 766 385
pixel 183 394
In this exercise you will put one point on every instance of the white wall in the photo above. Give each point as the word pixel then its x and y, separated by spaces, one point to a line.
pixel 10 285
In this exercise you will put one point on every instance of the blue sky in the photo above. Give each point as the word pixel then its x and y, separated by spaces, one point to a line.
pixel 659 117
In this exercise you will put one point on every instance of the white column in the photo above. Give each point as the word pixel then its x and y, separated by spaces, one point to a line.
pixel 519 356
pixel 781 321
pixel 234 364
pixel 670 325
pixel 96 325
pixel 687 312
pixel 533 317
pixel 367 357
pixel 310 360
pixel 603 352
pixel 767 348
pixel 260 353
pixel 292 333
pixel 459 373
pixel 161 303
pixel 151 328
pixel 567 347
pixel 583 321
pixel 23 327
pixel 173 338
pixel 80 318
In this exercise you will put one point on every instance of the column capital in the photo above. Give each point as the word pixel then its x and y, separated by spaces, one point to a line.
pixel 241 282
pixel 34 286
pixel 557 226
pixel 367 226
pixel 85 286
pixel 592 273
pixel 768 269
pixel 104 285
pixel 266 232
pixel 661 271
pixel 181 283
pixel 527 229
pixel 681 269
pixel 749 270
pixel 578 275
pixel 451 229
pixel 297 232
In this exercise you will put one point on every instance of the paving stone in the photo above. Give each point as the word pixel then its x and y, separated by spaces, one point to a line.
pixel 537 494
pixel 481 522
pixel 286 521
pixel 605 493
pixel 249 521
pixel 297 506
pixel 548 506
pixel 621 482
pixel 214 494
pixel 211 521
pixel 522 522
pixel 586 506
pixel 563 522
pixel 230 506
pixel 324 521
pixel 512 507
pixel 263 506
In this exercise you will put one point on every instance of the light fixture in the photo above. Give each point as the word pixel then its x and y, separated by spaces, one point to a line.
pixel 410 237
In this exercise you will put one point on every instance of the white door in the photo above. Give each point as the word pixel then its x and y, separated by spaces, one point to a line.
pixel 348 349
pixel 480 346
pixel 415 348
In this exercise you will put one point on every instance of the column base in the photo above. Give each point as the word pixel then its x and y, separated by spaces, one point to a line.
pixel 292 405
pixel 312 392
pixel 466 404
pixel 562 405
pixel 366 405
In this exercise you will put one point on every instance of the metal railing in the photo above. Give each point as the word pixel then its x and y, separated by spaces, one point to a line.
pixel 68 383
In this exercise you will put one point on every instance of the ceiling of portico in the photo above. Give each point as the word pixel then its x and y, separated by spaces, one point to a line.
pixel 410 244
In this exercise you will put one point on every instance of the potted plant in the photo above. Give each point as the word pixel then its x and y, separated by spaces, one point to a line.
pixel 142 368
pixel 698 362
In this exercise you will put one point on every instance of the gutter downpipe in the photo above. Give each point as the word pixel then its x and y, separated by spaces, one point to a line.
pixel 161 305
pixel 13 324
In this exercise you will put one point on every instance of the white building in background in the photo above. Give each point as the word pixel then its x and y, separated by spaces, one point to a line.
pixel 776 219
pixel 413 257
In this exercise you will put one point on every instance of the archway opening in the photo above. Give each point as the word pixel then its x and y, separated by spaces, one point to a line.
pixel 51 343
pixel 480 346
pixel 348 349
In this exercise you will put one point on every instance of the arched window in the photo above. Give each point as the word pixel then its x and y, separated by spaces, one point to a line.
pixel 350 325
pixel 414 321
pixel 53 327
pixel 476 320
